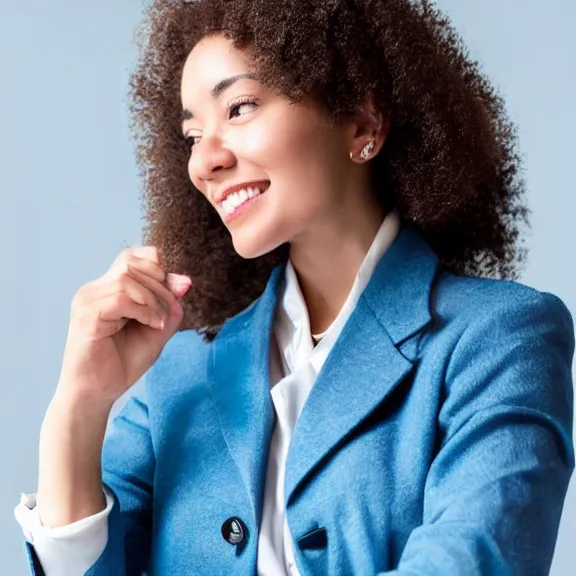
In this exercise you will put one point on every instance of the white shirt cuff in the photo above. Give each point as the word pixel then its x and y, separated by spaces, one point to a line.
pixel 69 550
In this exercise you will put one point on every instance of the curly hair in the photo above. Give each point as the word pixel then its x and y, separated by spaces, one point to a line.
pixel 450 163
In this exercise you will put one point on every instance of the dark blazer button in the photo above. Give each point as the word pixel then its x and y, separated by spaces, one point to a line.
pixel 234 531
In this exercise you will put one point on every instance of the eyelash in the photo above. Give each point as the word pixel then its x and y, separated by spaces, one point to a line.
pixel 232 105
pixel 235 104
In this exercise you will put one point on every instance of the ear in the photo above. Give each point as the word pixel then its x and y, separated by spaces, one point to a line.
pixel 369 125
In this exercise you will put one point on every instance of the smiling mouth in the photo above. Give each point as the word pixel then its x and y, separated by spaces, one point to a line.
pixel 232 204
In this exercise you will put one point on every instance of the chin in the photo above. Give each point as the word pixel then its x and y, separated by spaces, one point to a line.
pixel 254 245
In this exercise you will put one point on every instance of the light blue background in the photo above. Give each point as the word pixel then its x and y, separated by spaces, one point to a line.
pixel 69 190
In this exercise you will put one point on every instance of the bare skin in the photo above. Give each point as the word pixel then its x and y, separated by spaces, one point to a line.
pixel 113 338
pixel 319 200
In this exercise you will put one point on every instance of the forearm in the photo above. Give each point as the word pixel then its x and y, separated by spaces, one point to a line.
pixel 70 475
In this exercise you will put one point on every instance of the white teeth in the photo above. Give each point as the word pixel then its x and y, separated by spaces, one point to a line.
pixel 232 201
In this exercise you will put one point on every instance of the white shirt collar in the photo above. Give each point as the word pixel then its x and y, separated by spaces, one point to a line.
pixel 292 325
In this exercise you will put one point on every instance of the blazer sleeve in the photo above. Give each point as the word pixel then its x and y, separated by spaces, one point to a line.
pixel 127 472
pixel 495 491
pixel 128 465
pixel 71 549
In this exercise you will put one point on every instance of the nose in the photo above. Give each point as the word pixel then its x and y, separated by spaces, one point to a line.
pixel 208 157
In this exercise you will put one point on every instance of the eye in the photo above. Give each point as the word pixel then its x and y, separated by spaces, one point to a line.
pixel 191 141
pixel 235 105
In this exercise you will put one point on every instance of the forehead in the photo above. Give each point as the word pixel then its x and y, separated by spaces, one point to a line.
pixel 211 60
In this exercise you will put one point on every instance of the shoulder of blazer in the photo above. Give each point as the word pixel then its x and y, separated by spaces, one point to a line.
pixel 468 298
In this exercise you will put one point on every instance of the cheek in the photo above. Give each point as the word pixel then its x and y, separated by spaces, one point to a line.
pixel 295 154
pixel 277 139
pixel 193 174
pixel 254 142
pixel 191 170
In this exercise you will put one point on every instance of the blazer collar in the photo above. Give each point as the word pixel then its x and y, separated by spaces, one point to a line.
pixel 399 291
pixel 393 307
pixel 238 375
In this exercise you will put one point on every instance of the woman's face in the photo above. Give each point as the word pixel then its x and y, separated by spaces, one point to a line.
pixel 286 163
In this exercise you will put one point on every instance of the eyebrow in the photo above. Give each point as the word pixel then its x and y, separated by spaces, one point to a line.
pixel 219 88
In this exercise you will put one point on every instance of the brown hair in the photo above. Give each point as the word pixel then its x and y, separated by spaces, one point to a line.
pixel 449 164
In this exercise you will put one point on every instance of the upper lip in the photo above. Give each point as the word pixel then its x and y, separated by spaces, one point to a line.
pixel 225 191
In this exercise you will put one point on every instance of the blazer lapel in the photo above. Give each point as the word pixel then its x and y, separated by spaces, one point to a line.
pixel 238 376
pixel 365 364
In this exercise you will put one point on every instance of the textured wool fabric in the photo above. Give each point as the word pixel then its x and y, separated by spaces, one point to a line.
pixel 295 356
pixel 437 438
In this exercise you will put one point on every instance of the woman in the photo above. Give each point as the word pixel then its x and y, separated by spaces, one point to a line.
pixel 353 384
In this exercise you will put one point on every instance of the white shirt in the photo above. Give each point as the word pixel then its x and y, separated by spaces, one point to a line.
pixel 295 363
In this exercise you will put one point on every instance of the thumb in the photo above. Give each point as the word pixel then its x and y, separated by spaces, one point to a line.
pixel 178 284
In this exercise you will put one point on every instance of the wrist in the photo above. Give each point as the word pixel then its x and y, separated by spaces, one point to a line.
pixel 69 399
pixel 73 420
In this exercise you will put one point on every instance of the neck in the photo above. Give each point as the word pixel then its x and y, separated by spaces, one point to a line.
pixel 328 259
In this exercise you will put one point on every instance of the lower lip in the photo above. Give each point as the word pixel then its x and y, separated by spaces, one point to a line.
pixel 243 207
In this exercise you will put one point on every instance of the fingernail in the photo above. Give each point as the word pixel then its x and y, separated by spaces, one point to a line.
pixel 181 289
pixel 177 279
pixel 183 281
pixel 178 283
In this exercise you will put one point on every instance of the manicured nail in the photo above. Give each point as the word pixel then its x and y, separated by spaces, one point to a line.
pixel 177 281
pixel 181 289
pixel 182 282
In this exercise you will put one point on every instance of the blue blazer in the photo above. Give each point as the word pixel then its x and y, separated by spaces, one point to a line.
pixel 435 441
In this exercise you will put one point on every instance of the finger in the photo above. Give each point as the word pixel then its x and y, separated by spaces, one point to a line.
pixel 151 253
pixel 143 265
pixel 142 270
pixel 121 306
pixel 178 284
pixel 137 292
